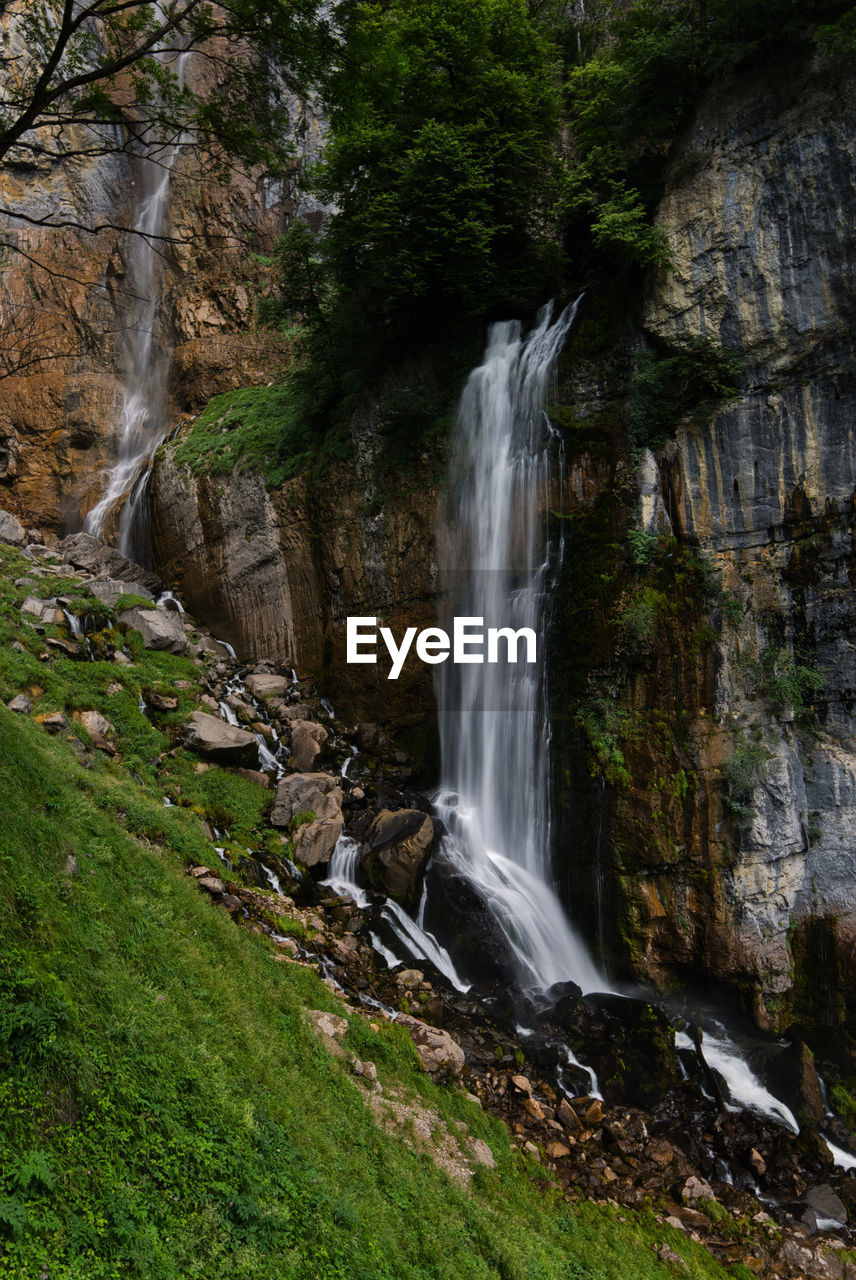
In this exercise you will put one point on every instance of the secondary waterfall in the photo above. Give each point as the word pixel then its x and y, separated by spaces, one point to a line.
pixel 494 723
pixel 142 422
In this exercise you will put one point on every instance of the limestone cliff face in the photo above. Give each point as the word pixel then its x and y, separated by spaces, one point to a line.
pixel 758 218
pixel 66 296
pixel 276 573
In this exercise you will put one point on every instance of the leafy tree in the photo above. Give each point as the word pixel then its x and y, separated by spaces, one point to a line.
pixel 88 77
pixel 441 157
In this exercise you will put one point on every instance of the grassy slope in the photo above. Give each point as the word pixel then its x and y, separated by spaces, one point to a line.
pixel 165 1110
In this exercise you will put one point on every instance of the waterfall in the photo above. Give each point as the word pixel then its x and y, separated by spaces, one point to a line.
pixel 142 422
pixel 494 725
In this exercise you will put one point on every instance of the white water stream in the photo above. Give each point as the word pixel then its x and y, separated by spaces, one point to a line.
pixel 142 421
pixel 497 565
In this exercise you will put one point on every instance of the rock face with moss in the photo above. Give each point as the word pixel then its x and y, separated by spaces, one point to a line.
pixel 725 838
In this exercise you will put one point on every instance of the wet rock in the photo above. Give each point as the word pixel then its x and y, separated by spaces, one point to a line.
pixel 46 612
pixel 307 739
pixel 122 658
pixel 267 686
pixel 439 1054
pixel 12 531
pixel 20 703
pixel 161 629
pixel 826 1203
pixel 398 845
pixel 221 742
pixel 793 1077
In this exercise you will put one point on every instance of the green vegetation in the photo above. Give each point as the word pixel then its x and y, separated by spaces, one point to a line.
pixel 743 773
pixel 259 428
pixel 167 1112
pixel 691 378
pixel 787 683
pixel 604 723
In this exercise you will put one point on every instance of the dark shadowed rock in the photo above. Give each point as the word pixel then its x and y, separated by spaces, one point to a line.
pixel 398 847
pixel 218 740
pixel 307 739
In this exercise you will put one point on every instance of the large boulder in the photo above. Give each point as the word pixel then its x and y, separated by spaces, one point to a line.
pixel 109 590
pixel 267 686
pixel 398 844
pixel 160 629
pixel 439 1054
pixel 47 612
pixel 307 739
pixel 219 741
pixel 85 552
pixel 320 795
pixel 11 530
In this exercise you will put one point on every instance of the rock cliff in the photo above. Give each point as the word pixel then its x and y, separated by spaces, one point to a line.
pixel 728 850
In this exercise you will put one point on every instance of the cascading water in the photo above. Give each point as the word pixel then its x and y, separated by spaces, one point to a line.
pixel 142 424
pixel 494 726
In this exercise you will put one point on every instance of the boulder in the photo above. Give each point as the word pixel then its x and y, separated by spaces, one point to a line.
pixel 161 629
pixel 20 703
pixel 792 1076
pixel 826 1203
pixel 315 841
pixel 11 530
pixel 96 724
pixel 695 1189
pixel 328 1025
pixel 218 740
pixel 439 1054
pixel 318 793
pixel 266 686
pixel 47 612
pixel 307 739
pixel 398 846
pixel 55 722
pixel 109 590
pixel 85 552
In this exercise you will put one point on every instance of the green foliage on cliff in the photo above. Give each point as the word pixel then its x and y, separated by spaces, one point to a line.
pixel 683 379
pixel 261 428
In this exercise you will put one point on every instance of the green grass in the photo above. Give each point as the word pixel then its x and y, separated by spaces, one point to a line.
pixel 254 428
pixel 165 1110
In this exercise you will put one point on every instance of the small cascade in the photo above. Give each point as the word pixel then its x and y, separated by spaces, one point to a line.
pixel 271 877
pixel 416 940
pixel 745 1090
pixel 166 600
pixel 142 422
